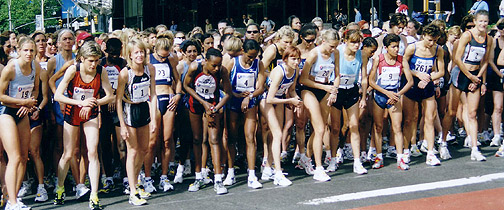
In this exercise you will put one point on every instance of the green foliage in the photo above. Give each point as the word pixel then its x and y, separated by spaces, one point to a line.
pixel 24 11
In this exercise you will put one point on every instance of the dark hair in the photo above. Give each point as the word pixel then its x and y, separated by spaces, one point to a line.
pixel 291 18
pixel 481 12
pixel 36 33
pixel 308 29
pixel 251 44
pixel 3 39
pixel 465 20
pixel 254 24
pixel 114 45
pixel 224 21
pixel 397 19
pixel 150 30
pixel 416 23
pixel 431 30
pixel 213 52
pixel 191 42
pixel 370 42
pixel 442 38
pixel 201 37
pixel 4 58
pixel 391 38
pixel 500 24
pixel 366 32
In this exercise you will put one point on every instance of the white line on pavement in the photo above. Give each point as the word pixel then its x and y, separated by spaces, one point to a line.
pixel 404 189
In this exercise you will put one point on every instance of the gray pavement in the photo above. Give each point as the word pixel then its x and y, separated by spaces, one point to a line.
pixel 304 188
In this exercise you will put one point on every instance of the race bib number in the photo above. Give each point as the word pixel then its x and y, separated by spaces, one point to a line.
pixel 324 73
pixel 347 81
pixel 162 71
pixel 390 76
pixel 245 82
pixel 81 94
pixel 24 91
pixel 441 82
pixel 424 66
pixel 113 75
pixel 43 65
pixel 205 86
pixel 283 89
pixel 140 92
pixel 475 54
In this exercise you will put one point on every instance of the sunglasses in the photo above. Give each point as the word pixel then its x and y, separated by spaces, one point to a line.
pixel 50 43
pixel 309 40
pixel 252 32
pixel 9 46
pixel 162 56
pixel 179 37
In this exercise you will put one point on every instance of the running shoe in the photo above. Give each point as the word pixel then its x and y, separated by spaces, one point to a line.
pixel 281 180
pixel 347 152
pixel 149 185
pixel 391 152
pixel 140 190
pixel 462 132
pixel 164 184
pixel 450 137
pixel 402 165
pixel 263 164
pixel 179 176
pixel 41 195
pixel 254 183
pixel 283 156
pixel 24 190
pixel 22 206
pixel 406 157
pixel 432 160
pixel 205 173
pixel 141 178
pixel 306 163
pixel 126 190
pixel 108 185
pixel 476 155
pixel 321 176
pixel 80 191
pixel 17 206
pixel 378 163
pixel 359 169
pixel 230 180
pixel 219 188
pixel 500 152
pixel 371 155
pixel 267 174
pixel 327 160
pixel 94 204
pixel 339 156
pixel 296 157
pixel 187 167
pixel 47 182
pixel 198 183
pixel 415 152
pixel 444 153
pixel 496 140
pixel 424 147
pixel 172 169
pixel 117 173
pixel 136 200
pixel 59 198
pixel 363 156
pixel 333 165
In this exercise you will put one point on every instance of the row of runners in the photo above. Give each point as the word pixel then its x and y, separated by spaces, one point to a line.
pixel 127 95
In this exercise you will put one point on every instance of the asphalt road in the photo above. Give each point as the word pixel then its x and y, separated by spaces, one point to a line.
pixel 305 189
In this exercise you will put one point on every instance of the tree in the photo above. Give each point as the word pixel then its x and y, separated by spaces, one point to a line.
pixel 24 11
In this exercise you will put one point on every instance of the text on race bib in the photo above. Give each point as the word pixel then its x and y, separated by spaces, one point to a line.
pixel 113 75
pixel 205 86
pixel 24 91
pixel 475 53
pixel 162 71
pixel 347 81
pixel 324 72
pixel 245 82
pixel 140 92
pixel 423 66
pixel 81 94
pixel 43 65
pixel 389 76
pixel 283 89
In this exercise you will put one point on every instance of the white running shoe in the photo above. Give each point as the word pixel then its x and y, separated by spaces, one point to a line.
pixel 327 160
pixel 450 137
pixel 359 169
pixel 500 152
pixel 432 160
pixel 371 155
pixel 179 176
pixel 206 178
pixel 339 156
pixel 24 190
pixel 230 180
pixel 406 157
pixel 321 176
pixel 391 152
pixel 281 180
pixel 267 174
pixel 80 191
pixel 476 155
pixel 415 152
pixel 348 152
pixel 424 147
pixel 363 156
pixel 444 153
pixel 378 163
pixel 333 165
pixel 126 187
pixel 296 157
pixel 306 163
pixel 402 165
pixel 187 167
pixel 496 140
pixel 164 184
pixel 141 178
pixel 149 186
pixel 254 183
pixel 41 195
pixel 219 188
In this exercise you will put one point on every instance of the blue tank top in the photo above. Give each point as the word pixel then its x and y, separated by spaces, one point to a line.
pixel 349 70
pixel 420 64
pixel 301 64
pixel 322 69
pixel 164 70
pixel 474 51
pixel 285 83
pixel 59 63
pixel 244 79
pixel 22 86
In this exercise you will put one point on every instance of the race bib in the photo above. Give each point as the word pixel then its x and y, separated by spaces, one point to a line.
pixel 424 66
pixel 81 94
pixel 347 81
pixel 389 76
pixel 245 82
pixel 140 92
pixel 475 54
pixel 441 82
pixel 324 73
pixel 113 75
pixel 283 89
pixel 24 91
pixel 43 65
pixel 162 71
pixel 205 86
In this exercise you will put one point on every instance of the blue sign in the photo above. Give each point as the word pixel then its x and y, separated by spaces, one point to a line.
pixel 70 9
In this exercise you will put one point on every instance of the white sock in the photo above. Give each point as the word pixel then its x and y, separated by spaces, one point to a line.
pixel 399 157
pixel 379 155
pixel 251 174
pixel 430 152
pixel 148 178
pixel 41 186
pixel 199 175
pixel 319 168
pixel 474 149
pixel 163 177
pixel 218 178
pixel 406 151
pixel 267 170
pixel 328 153
pixel 231 172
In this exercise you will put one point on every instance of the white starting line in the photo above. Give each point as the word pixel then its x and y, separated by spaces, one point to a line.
pixel 404 189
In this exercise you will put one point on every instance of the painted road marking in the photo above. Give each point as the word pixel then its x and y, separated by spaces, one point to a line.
pixel 405 189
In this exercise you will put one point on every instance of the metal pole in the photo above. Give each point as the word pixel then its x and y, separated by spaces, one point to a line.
pixel 372 14
pixel 42 12
pixel 316 8
pixel 10 18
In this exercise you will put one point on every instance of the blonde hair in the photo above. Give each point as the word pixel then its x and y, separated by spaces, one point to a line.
pixel 285 31
pixel 164 41
pixel 317 19
pixel 455 30
pixel 131 45
pixel 26 40
pixel 233 44
pixel 89 48
pixel 439 23
pixel 329 35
